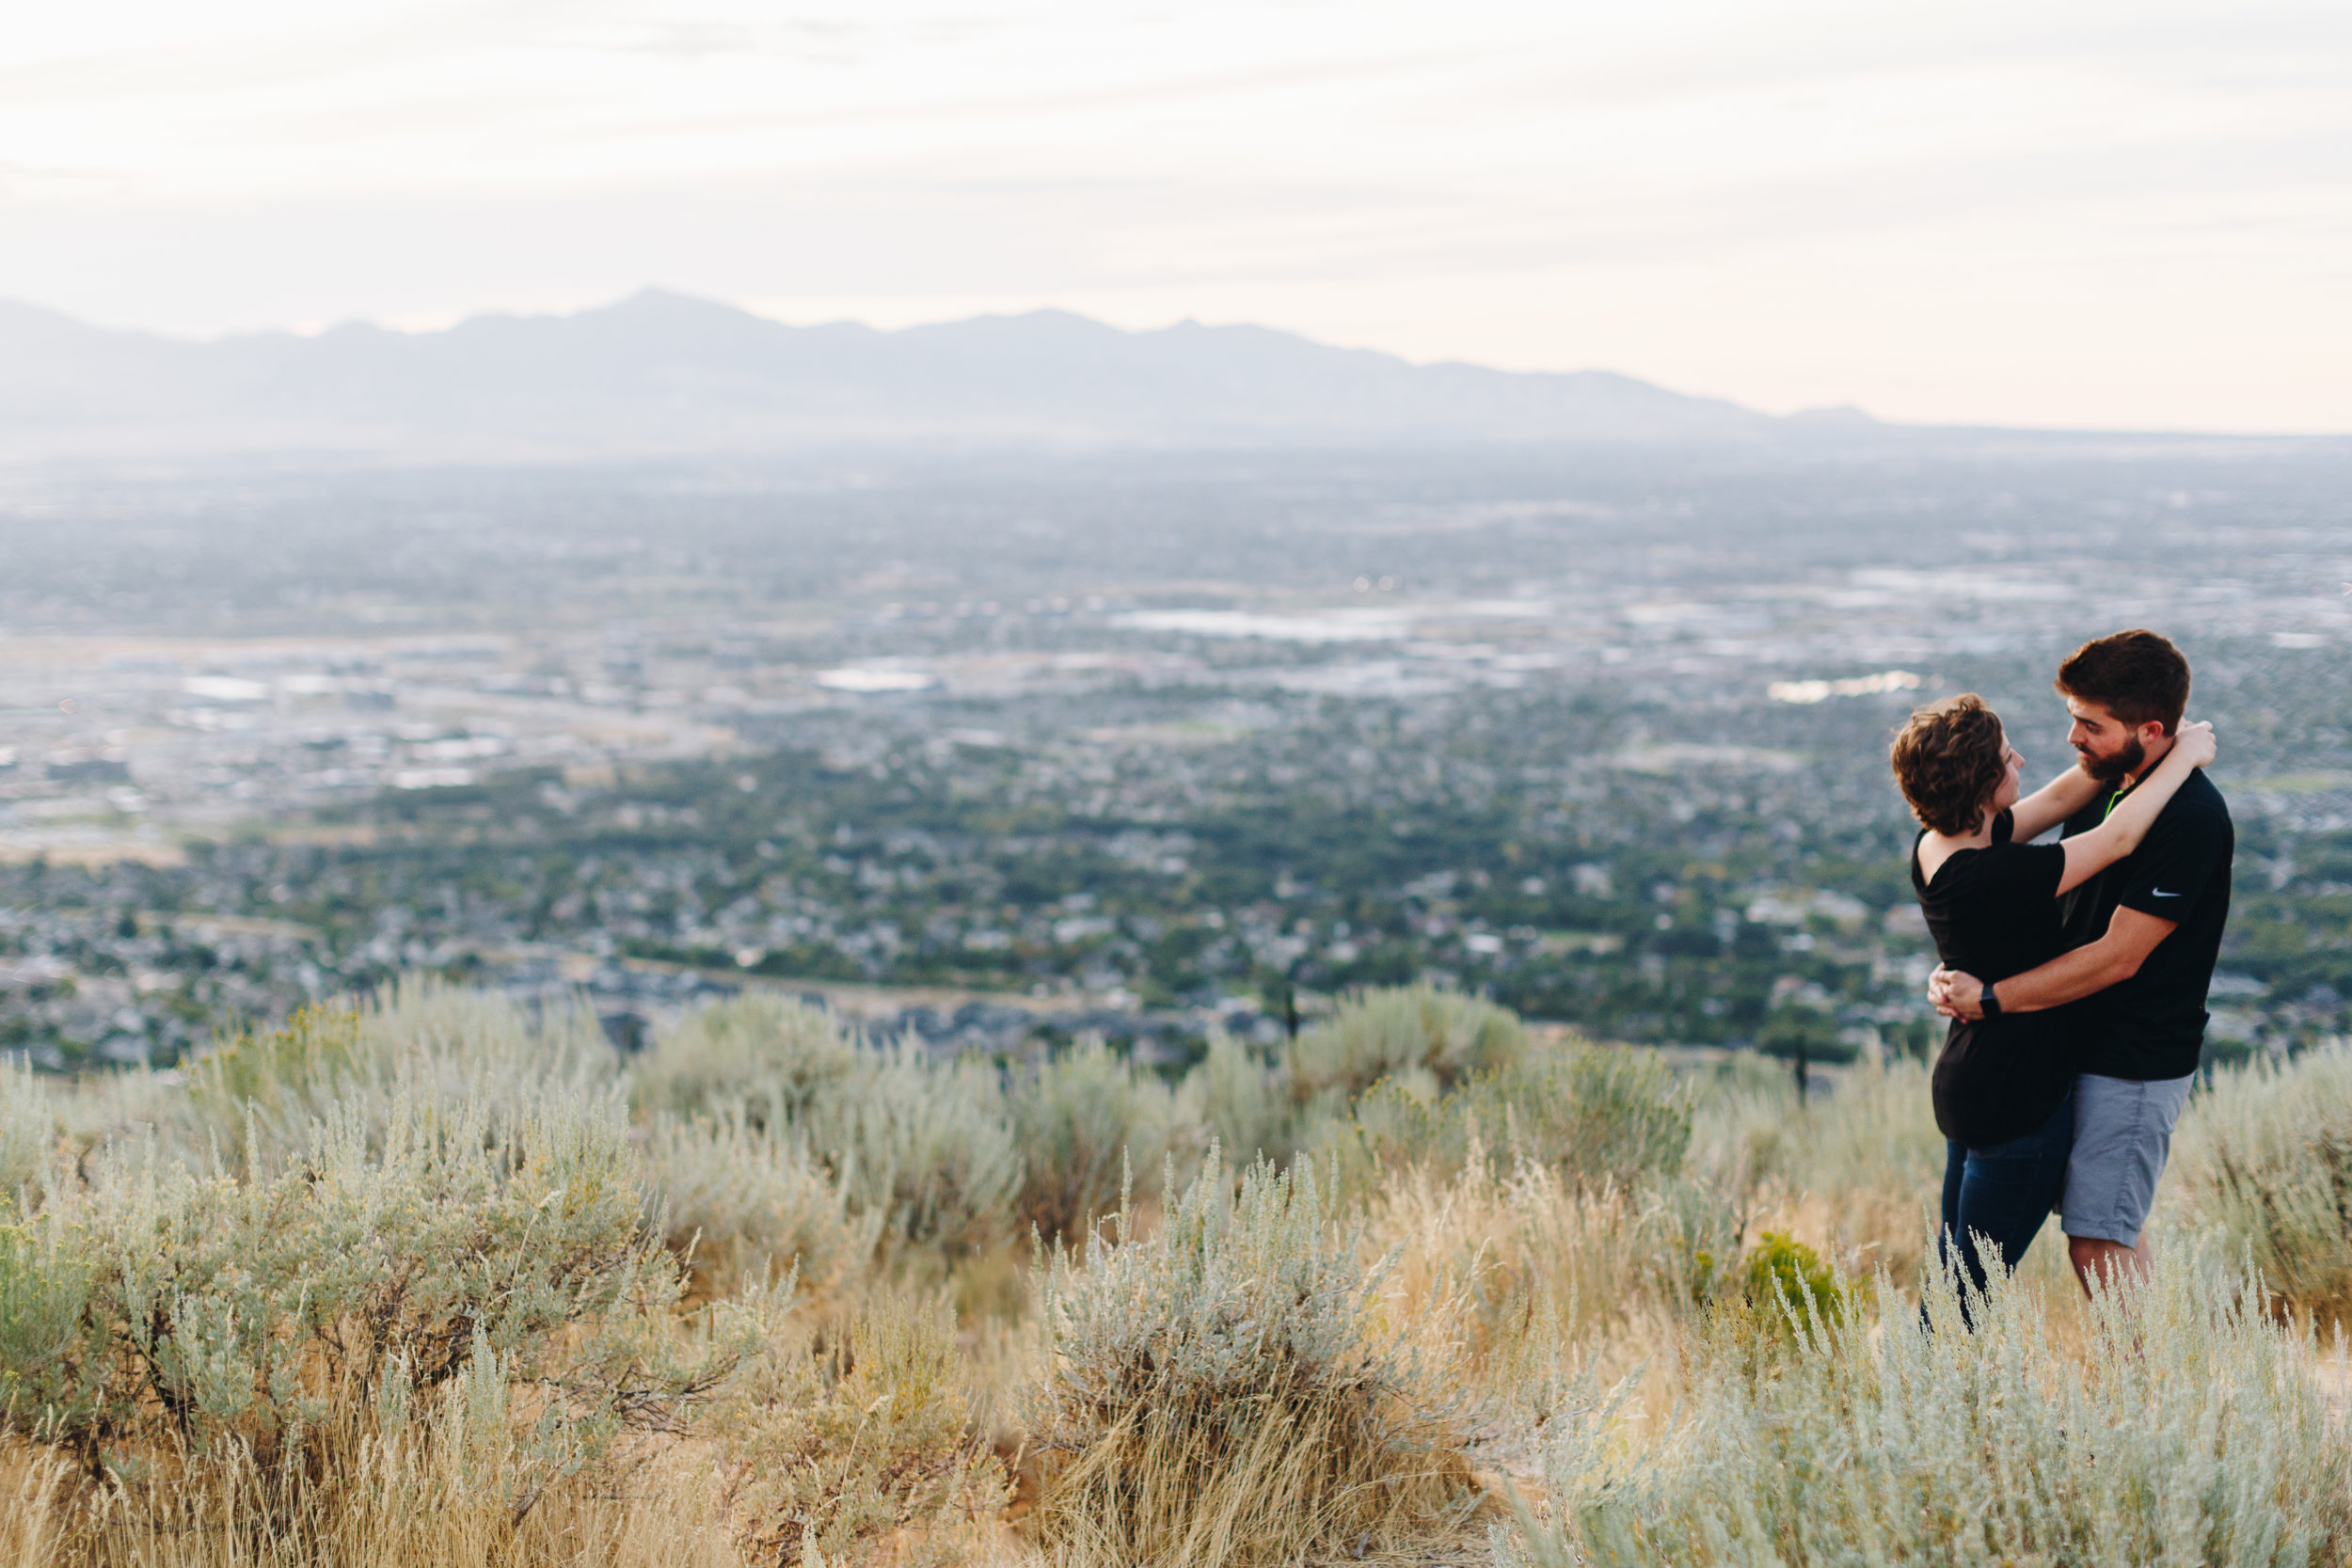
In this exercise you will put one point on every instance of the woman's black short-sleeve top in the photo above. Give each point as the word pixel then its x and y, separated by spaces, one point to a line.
pixel 1994 913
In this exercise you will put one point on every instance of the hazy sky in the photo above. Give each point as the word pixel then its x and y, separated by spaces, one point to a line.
pixel 2084 212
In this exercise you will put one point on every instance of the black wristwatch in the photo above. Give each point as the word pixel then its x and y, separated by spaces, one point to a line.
pixel 1990 1000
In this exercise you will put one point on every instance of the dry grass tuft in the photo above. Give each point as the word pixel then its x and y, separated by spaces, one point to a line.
pixel 1230 1392
pixel 1855 1172
pixel 859 1436
pixel 432 1497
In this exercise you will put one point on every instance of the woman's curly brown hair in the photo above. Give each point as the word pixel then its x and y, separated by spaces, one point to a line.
pixel 1949 758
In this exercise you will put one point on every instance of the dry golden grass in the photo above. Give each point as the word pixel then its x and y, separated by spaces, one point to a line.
pixel 1241 1388
pixel 382 1503
pixel 859 1434
pixel 1535 1285
pixel 1277 1479
pixel 1267 1370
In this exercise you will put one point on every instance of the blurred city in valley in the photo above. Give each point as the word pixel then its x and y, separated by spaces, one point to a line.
pixel 1006 744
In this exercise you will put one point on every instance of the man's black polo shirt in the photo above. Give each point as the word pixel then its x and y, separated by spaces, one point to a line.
pixel 2154 1024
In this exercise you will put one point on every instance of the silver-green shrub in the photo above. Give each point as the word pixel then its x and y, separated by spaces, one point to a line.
pixel 1593 1115
pixel 752 1201
pixel 1422 1035
pixel 28 1130
pixel 246 1303
pixel 927 1145
pixel 2191 1428
pixel 420 1040
pixel 770 1056
pixel 1081 1118
pixel 1596 1113
pixel 2263 1160
pixel 926 1148
pixel 1243 1102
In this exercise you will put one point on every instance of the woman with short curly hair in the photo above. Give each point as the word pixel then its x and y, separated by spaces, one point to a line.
pixel 2004 1084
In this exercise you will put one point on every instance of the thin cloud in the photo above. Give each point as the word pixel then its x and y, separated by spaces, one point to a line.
pixel 1991 211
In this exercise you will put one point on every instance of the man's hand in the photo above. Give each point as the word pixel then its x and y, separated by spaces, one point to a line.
pixel 1956 994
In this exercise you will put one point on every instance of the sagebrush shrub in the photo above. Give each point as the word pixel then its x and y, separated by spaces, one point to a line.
pixel 927 1148
pixel 927 1145
pixel 1243 1101
pixel 237 1304
pixel 2263 1160
pixel 752 1202
pixel 1228 1390
pixel 1596 1115
pixel 28 1130
pixel 1420 1035
pixel 2191 1428
pixel 834 1442
pixel 770 1057
pixel 1081 1118
pixel 419 1041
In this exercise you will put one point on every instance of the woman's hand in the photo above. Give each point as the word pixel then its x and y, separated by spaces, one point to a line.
pixel 2195 743
pixel 1955 994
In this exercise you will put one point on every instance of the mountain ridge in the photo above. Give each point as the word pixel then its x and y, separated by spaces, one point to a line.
pixel 666 374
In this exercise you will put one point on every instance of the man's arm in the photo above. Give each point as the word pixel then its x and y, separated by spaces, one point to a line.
pixel 2050 805
pixel 2131 936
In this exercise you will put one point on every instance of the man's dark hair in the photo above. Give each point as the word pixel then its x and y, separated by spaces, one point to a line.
pixel 1949 758
pixel 2137 675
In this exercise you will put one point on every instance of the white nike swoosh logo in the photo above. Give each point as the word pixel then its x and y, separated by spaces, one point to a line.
pixel 2159 892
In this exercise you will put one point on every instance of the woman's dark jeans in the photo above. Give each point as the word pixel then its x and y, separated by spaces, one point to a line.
pixel 2002 1192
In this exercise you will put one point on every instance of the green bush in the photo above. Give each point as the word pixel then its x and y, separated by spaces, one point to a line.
pixel 1787 1288
pixel 1228 1389
pixel 2191 1427
pixel 1082 1121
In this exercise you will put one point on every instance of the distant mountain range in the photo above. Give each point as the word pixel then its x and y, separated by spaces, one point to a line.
pixel 663 374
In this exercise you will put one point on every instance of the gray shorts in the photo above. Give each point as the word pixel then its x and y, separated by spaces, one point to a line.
pixel 2123 1133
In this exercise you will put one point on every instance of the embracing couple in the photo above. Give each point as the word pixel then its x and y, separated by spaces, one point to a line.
pixel 2074 973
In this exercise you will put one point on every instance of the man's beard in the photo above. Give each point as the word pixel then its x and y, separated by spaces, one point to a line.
pixel 2107 770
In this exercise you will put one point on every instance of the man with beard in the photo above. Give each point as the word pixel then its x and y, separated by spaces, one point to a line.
pixel 2145 933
